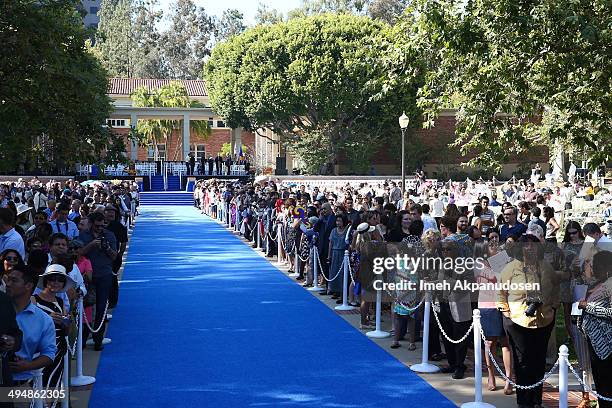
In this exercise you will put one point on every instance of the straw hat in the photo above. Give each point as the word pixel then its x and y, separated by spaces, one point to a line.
pixel 21 208
pixel 365 227
pixel 56 269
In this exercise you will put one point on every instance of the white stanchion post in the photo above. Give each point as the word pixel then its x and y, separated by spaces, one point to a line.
pixel 66 378
pixel 37 384
pixel 477 403
pixel 425 366
pixel 238 219
pixel 345 266
pixel 296 264
pixel 563 384
pixel 279 244
pixel 315 270
pixel 80 379
pixel 229 207
pixel 378 333
pixel 258 226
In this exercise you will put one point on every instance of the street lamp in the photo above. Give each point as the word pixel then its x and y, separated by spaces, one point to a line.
pixel 404 121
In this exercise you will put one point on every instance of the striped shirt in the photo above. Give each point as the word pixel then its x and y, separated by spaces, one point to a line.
pixel 596 321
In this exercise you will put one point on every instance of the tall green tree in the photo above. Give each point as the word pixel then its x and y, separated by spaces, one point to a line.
pixel 310 80
pixel 230 24
pixel 151 132
pixel 147 39
pixel 388 11
pixel 114 42
pixel 187 42
pixel 267 15
pixel 53 103
pixel 520 74
pixel 314 7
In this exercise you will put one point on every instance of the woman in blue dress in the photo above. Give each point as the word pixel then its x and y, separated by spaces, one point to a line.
pixel 337 246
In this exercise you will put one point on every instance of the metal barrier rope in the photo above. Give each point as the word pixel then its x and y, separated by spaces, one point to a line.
pixel 503 375
pixel 446 335
pixel 101 321
pixel 321 268
pixel 584 386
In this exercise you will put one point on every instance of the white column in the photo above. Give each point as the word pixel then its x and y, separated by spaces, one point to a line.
pixel 558 162
pixel 186 136
pixel 134 148
pixel 236 141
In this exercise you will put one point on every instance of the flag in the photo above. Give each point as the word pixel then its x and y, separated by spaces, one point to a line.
pixel 240 156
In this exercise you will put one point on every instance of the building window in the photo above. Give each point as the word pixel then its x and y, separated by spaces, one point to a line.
pixel 220 124
pixel 211 123
pixel 117 123
pixel 198 150
pixel 93 10
pixel 161 151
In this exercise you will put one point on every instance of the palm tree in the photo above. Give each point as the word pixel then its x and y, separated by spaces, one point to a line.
pixel 154 131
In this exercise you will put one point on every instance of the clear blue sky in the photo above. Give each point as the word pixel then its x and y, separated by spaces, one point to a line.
pixel 247 7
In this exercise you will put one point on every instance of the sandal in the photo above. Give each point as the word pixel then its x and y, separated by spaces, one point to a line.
pixel 411 346
pixel 396 345
pixel 508 389
pixel 438 357
pixel 491 386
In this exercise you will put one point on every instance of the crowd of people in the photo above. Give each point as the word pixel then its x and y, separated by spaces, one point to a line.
pixel 518 228
pixel 217 166
pixel 60 242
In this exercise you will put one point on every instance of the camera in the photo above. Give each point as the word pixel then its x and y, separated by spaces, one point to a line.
pixel 104 244
pixel 533 303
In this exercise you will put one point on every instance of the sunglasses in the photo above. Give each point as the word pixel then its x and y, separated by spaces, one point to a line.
pixel 572 232
pixel 11 258
pixel 508 214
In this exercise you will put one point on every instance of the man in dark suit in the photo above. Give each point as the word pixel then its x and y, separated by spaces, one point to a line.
pixel 211 162
pixel 191 164
pixel 324 227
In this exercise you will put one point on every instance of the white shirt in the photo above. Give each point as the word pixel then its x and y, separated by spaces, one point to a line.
pixel 437 208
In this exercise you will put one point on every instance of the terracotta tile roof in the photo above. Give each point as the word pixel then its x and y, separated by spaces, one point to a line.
pixel 125 86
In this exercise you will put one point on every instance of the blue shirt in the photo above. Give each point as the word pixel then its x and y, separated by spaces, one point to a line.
pixel 12 240
pixel 518 229
pixel 101 263
pixel 67 228
pixel 38 337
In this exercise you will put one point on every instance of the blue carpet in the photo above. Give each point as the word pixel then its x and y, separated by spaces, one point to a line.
pixel 203 321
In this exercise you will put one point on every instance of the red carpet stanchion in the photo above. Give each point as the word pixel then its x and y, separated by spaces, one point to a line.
pixel 80 379
pixel 66 379
pixel 477 403
pixel 425 366
pixel 563 384
pixel 314 256
pixel 345 266
pixel 378 333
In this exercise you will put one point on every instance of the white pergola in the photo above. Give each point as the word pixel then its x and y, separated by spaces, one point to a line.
pixel 185 114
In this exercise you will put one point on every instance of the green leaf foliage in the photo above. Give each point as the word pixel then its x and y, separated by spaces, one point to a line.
pixel 53 102
pixel 311 80
pixel 519 73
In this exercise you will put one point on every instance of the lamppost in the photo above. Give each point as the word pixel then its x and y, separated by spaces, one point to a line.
pixel 404 121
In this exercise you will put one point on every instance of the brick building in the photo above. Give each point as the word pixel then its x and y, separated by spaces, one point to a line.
pixel 183 140
pixel 264 148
